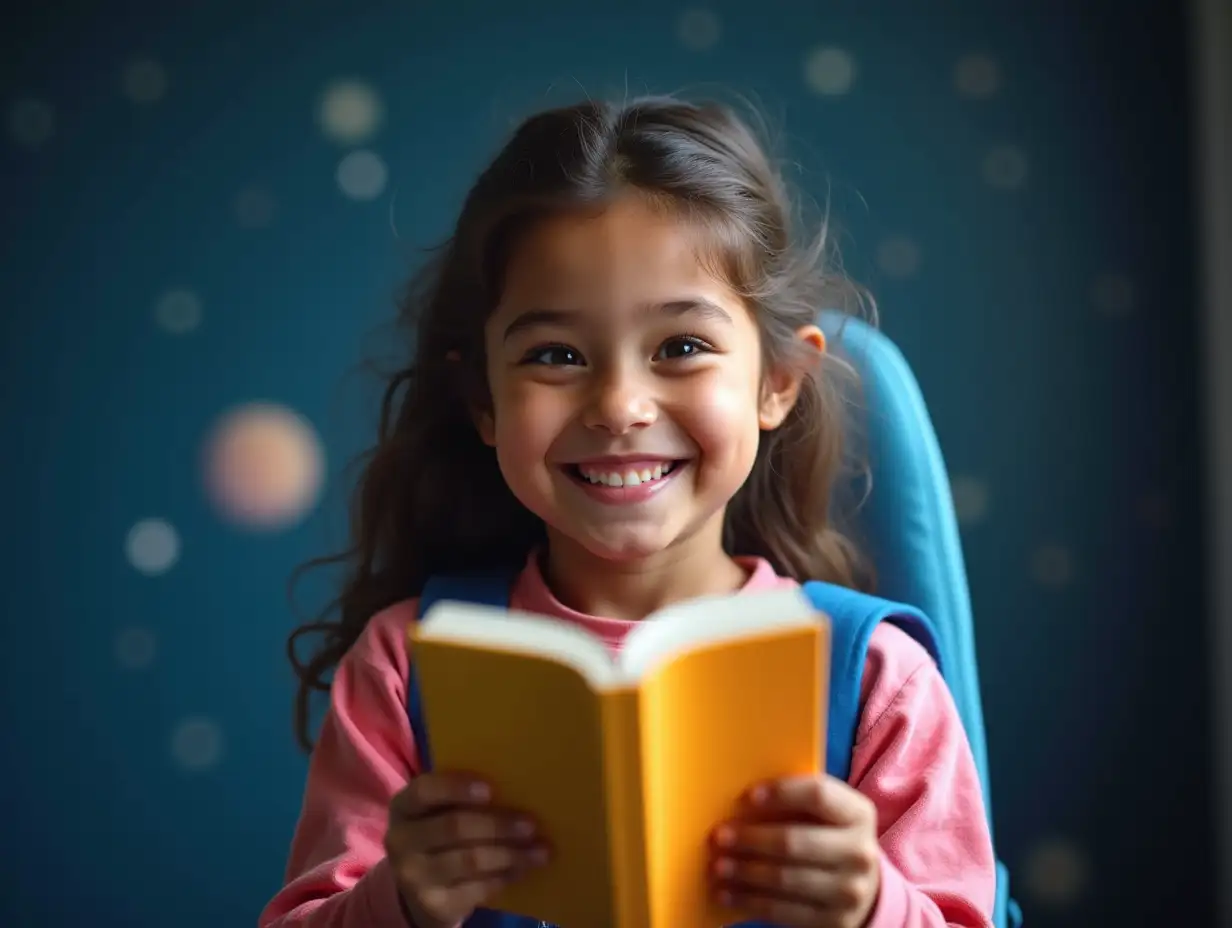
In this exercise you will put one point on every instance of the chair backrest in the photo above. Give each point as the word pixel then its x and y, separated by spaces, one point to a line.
pixel 907 523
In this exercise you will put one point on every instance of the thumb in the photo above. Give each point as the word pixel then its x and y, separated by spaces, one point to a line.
pixel 822 797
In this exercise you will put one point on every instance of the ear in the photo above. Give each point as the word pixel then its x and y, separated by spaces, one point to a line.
pixel 484 423
pixel 486 427
pixel 781 388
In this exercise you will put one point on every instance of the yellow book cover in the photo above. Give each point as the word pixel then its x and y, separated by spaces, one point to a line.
pixel 629 761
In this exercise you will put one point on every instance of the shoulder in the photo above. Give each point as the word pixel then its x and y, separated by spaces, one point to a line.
pixel 896 668
pixel 367 722
pixel 381 646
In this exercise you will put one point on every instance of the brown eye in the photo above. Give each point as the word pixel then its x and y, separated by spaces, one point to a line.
pixel 553 356
pixel 686 346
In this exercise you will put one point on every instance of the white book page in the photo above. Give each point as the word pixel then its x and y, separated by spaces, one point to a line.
pixel 685 627
pixel 489 628
pixel 666 634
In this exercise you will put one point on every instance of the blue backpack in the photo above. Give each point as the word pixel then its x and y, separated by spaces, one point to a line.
pixel 909 528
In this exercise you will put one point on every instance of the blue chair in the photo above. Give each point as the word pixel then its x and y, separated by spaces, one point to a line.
pixel 908 528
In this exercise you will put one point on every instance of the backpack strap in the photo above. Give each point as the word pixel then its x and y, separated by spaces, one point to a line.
pixel 853 617
pixel 489 588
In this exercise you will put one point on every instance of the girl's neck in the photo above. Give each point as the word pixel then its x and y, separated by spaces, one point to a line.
pixel 634 589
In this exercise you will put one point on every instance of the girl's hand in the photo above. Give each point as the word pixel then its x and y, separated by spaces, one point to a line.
pixel 806 855
pixel 450 850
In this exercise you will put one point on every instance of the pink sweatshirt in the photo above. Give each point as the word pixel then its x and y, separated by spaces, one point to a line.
pixel 911 758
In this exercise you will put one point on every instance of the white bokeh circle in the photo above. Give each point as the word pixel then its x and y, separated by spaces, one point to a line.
pixel 970 499
pixel 899 256
pixel 350 112
pixel 362 175
pixel 699 29
pixel 1052 566
pixel 152 546
pixel 134 647
pixel 144 81
pixel 977 76
pixel 1055 873
pixel 197 744
pixel 31 123
pixel 178 311
pixel 829 71
pixel 254 208
pixel 1005 167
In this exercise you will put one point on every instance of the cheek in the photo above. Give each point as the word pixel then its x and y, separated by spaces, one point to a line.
pixel 721 417
pixel 528 418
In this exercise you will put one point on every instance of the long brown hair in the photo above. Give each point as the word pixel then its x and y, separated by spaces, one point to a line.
pixel 431 498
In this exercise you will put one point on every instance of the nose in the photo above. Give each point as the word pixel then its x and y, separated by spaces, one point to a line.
pixel 619 402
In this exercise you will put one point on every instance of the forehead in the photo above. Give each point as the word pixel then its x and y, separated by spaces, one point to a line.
pixel 630 252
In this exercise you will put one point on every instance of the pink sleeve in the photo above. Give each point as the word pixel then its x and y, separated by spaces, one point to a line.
pixel 913 760
pixel 337 875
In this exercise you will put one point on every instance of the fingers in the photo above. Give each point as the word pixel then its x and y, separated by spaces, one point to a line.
pixel 448 905
pixel 778 879
pixel 790 913
pixel 826 889
pixel 484 863
pixel 464 864
pixel 448 864
pixel 450 850
pixel 804 854
pixel 468 828
pixel 433 792
pixel 810 845
pixel 459 832
pixel 824 798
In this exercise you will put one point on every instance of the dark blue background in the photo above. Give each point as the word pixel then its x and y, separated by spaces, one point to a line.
pixel 1074 418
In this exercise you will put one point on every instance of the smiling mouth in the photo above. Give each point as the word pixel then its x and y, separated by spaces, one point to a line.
pixel 617 477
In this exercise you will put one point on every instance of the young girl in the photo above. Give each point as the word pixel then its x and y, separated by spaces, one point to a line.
pixel 618 388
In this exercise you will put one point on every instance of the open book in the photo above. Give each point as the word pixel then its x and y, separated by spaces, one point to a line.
pixel 626 762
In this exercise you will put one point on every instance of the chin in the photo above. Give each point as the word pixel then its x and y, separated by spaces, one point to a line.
pixel 623 547
pixel 625 551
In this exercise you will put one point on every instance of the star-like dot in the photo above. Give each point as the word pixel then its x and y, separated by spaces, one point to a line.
pixel 152 546
pixel 197 744
pixel 698 29
pixel 829 72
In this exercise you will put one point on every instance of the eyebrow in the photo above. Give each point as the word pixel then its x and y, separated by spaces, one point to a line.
pixel 694 306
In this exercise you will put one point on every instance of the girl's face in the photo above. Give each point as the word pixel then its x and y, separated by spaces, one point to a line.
pixel 628 394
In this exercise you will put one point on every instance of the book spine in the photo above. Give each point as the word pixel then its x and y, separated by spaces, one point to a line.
pixel 626 808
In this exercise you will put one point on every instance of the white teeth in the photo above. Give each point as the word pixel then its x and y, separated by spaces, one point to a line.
pixel 629 478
